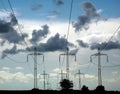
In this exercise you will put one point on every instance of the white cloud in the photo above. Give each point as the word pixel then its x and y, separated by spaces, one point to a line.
pixel 97 32
pixel 6 69
pixel 19 68
pixel 6 13
pixel 115 72
pixel 100 31
pixel 112 80
pixel 74 66
pixel 56 70
pixel 21 77
pixel 88 76
pixel 99 11
pixel 56 27
pixel 7 76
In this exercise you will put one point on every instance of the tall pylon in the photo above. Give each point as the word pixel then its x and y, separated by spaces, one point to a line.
pixel 99 65
pixel 79 75
pixel 44 77
pixel 67 61
pixel 61 74
pixel 35 53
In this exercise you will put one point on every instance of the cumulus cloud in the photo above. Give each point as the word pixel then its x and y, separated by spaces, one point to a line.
pixel 88 76
pixel 82 44
pixel 7 76
pixel 58 2
pixel 90 13
pixel 19 68
pixel 36 7
pixel 8 33
pixel 10 51
pixel 7 69
pixel 13 20
pixel 54 43
pixel 38 35
pixel 106 45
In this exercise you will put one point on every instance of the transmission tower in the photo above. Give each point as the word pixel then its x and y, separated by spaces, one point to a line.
pixel 35 53
pixel 67 61
pixel 79 75
pixel 99 65
pixel 61 74
pixel 44 77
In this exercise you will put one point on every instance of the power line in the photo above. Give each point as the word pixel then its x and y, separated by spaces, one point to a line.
pixel 69 18
pixel 18 29
pixel 108 43
pixel 17 23
pixel 111 38
pixel 67 39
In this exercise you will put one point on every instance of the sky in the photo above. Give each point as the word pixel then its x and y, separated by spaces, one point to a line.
pixel 51 26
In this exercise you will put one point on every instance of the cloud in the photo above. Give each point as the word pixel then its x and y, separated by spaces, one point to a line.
pixel 19 68
pixel 12 51
pixel 21 77
pixel 4 26
pixel 118 36
pixel 58 2
pixel 88 76
pixel 82 44
pixel 74 66
pixel 7 76
pixel 53 14
pixel 106 45
pixel 90 13
pixel 54 43
pixel 8 33
pixel 73 52
pixel 36 7
pixel 38 35
pixel 13 21
pixel 7 69
pixel 4 13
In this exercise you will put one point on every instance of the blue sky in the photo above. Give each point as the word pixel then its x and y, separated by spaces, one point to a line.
pixel 44 24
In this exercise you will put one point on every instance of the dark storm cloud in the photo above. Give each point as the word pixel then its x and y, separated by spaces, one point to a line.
pixel 11 51
pixel 4 26
pixel 82 44
pixel 58 2
pixel 106 45
pixel 13 20
pixel 37 35
pixel 8 33
pixel 36 7
pixel 12 36
pixel 90 13
pixel 55 43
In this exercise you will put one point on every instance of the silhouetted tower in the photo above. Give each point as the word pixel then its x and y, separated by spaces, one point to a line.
pixel 79 75
pixel 67 61
pixel 44 77
pixel 99 65
pixel 35 53
pixel 61 74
